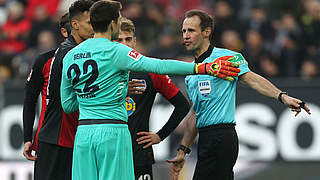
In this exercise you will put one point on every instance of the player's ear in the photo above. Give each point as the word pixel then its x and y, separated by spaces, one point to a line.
pixel 134 40
pixel 64 32
pixel 207 32
pixel 111 25
pixel 75 24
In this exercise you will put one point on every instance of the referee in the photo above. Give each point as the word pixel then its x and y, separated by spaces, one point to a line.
pixel 213 111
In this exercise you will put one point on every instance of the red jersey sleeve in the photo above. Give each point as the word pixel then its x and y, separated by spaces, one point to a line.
pixel 164 85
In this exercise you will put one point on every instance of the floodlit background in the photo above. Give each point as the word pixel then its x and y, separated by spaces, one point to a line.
pixel 279 38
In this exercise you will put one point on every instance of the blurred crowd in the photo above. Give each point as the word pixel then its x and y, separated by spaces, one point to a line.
pixel 279 38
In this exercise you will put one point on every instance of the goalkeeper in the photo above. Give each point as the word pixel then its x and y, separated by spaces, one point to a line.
pixel 94 80
pixel 213 100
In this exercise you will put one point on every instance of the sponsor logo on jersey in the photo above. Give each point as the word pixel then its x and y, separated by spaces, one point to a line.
pixel 204 87
pixel 130 106
pixel 134 55
pixel 239 59
pixel 29 76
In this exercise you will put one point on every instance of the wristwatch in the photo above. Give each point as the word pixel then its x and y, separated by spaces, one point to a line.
pixel 185 149
pixel 280 96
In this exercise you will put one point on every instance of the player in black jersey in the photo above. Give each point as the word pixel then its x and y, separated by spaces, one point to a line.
pixel 142 90
pixel 56 136
pixel 37 83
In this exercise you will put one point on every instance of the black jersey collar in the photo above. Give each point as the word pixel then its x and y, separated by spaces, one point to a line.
pixel 204 55
pixel 72 40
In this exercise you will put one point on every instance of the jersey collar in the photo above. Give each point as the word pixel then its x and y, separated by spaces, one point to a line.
pixel 204 55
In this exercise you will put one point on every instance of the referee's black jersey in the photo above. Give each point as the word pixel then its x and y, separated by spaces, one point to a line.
pixel 58 127
pixel 36 83
pixel 139 108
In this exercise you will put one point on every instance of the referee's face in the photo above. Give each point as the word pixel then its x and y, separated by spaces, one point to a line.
pixel 193 36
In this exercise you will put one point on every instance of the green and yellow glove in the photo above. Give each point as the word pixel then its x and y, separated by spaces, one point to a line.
pixel 220 67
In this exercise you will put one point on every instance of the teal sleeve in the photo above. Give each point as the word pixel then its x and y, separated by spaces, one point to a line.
pixel 130 60
pixel 68 96
pixel 243 64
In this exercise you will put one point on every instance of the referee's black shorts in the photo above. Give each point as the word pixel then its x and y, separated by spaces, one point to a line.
pixel 217 152
pixel 53 163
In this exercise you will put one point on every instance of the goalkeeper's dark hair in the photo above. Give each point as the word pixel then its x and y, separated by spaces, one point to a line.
pixel 102 13
pixel 205 18
pixel 65 23
pixel 79 7
pixel 127 25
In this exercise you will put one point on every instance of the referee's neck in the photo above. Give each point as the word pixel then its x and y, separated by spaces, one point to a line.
pixel 202 49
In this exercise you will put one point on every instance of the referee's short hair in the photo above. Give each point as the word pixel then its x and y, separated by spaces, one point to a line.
pixel 206 20
pixel 102 13
pixel 127 25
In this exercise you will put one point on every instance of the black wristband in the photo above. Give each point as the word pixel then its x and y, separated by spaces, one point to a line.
pixel 185 149
pixel 280 96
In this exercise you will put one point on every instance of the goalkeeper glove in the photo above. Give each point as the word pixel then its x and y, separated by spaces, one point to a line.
pixel 221 68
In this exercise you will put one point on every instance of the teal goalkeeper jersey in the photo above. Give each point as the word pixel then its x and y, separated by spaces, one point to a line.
pixel 95 77
pixel 214 99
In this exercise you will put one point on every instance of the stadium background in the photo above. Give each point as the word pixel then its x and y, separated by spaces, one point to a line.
pixel 280 40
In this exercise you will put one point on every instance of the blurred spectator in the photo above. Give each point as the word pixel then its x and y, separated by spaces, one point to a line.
pixel 268 66
pixel 253 50
pixel 46 41
pixel 276 8
pixel 231 40
pixel 167 47
pixel 21 64
pixel 177 8
pixel 41 22
pixel 277 37
pixel 50 6
pixel 3 12
pixel 14 32
pixel 309 69
pixel 287 25
pixel 258 21
pixel 290 57
pixel 136 12
pixel 5 74
pixel 310 23
pixel 224 20
pixel 6 66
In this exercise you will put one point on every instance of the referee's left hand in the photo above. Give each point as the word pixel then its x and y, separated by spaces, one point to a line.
pixel 148 137
pixel 295 104
pixel 27 151
pixel 177 165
